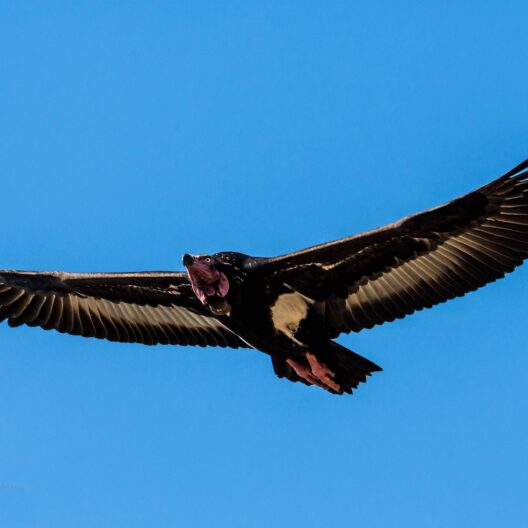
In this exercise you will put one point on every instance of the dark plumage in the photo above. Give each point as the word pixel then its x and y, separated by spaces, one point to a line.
pixel 292 306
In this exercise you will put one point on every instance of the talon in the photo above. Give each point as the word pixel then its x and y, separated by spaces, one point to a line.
pixel 316 373
pixel 302 371
pixel 322 372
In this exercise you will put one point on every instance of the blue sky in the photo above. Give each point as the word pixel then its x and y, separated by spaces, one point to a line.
pixel 134 132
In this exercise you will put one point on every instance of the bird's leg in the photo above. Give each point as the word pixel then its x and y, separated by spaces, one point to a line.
pixel 319 377
pixel 302 371
pixel 322 372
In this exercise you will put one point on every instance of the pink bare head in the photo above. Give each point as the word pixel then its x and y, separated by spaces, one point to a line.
pixel 206 280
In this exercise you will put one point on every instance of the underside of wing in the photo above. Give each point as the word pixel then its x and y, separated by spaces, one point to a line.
pixel 150 307
pixel 423 260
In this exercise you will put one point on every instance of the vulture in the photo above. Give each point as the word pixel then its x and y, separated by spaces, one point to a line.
pixel 294 306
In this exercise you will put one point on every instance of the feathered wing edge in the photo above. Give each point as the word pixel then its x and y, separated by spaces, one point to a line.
pixel 420 261
pixel 149 308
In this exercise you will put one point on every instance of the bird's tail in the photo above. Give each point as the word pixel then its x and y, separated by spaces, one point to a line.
pixel 350 369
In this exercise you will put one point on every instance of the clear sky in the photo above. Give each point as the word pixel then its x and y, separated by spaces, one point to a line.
pixel 132 132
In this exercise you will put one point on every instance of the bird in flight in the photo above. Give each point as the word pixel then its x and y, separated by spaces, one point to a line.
pixel 293 306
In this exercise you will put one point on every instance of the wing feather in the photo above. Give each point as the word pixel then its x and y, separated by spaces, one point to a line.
pixel 416 263
pixel 149 308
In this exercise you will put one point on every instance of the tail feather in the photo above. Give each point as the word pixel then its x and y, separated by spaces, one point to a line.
pixel 350 368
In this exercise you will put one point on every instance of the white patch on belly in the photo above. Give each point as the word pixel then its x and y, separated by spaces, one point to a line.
pixel 289 310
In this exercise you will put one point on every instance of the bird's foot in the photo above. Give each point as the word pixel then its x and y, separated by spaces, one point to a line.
pixel 316 373
pixel 322 372
pixel 302 371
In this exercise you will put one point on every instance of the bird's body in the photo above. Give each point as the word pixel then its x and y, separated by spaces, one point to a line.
pixel 293 306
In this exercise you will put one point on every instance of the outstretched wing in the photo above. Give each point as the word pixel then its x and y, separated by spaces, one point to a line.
pixel 420 261
pixel 149 308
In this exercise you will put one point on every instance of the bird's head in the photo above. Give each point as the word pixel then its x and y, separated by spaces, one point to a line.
pixel 212 277
pixel 207 281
